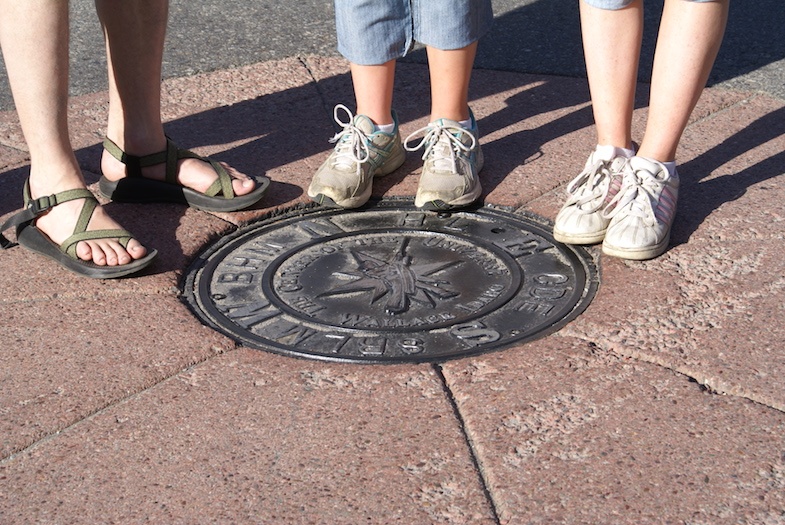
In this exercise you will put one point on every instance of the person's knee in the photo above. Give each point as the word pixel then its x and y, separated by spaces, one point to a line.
pixel 614 5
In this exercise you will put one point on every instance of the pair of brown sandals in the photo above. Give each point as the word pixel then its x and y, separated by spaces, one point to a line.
pixel 219 197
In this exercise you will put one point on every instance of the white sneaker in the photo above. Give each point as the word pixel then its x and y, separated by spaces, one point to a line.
pixel 453 159
pixel 581 219
pixel 641 214
pixel 361 153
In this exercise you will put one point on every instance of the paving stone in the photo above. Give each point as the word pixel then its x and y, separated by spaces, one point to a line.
pixel 67 358
pixel 615 419
pixel 703 313
pixel 729 189
pixel 251 437
pixel 568 433
pixel 10 158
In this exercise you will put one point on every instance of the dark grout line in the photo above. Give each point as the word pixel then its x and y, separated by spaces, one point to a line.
pixel 111 404
pixel 469 443
pixel 711 385
pixel 719 111
pixel 327 110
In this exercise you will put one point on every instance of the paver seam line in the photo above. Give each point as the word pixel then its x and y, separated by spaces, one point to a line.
pixel 709 384
pixel 15 148
pixel 327 110
pixel 469 443
pixel 724 109
pixel 114 403
pixel 71 296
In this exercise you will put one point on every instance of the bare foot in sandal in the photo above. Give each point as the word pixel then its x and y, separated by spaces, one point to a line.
pixel 133 176
pixel 59 222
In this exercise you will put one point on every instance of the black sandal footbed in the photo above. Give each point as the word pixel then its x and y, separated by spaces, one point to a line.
pixel 30 237
pixel 219 197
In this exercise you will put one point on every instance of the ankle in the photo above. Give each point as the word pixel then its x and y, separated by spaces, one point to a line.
pixel 139 142
pixel 53 178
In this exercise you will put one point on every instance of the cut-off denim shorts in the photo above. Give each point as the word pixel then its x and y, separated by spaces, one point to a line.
pixel 618 4
pixel 372 32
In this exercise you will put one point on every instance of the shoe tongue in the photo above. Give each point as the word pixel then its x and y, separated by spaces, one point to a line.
pixel 346 159
pixel 364 124
pixel 442 150
pixel 447 123
pixel 452 126
pixel 643 164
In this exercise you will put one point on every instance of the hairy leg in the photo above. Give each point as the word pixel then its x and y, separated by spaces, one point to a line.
pixel 134 34
pixel 34 38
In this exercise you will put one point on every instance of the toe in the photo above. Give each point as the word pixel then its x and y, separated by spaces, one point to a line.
pixel 110 252
pixel 92 251
pixel 241 183
pixel 243 186
pixel 84 251
pixel 135 250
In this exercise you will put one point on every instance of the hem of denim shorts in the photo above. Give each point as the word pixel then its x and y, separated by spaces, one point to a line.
pixel 364 61
pixel 395 56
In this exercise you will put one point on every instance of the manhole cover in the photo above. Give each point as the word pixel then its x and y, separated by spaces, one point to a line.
pixel 390 283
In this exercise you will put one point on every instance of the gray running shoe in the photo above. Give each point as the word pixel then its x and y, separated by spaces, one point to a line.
pixel 360 154
pixel 453 159
pixel 641 214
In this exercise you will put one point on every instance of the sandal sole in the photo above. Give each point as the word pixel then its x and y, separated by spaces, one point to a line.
pixel 142 191
pixel 36 241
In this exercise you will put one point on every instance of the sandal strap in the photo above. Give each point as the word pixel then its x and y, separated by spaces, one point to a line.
pixel 34 208
pixel 134 163
pixel 171 156
pixel 69 245
pixel 81 234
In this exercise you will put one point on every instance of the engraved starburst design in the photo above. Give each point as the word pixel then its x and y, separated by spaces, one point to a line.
pixel 400 280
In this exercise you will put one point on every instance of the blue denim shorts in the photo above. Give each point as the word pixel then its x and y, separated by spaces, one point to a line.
pixel 618 4
pixel 372 32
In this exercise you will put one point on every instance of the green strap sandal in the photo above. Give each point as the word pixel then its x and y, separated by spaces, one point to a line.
pixel 30 237
pixel 219 197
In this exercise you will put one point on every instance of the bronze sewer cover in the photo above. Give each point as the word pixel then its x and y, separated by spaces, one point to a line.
pixel 390 283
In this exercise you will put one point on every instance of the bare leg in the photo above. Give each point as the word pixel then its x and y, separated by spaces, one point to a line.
pixel 134 33
pixel 34 38
pixel 687 44
pixel 450 72
pixel 373 91
pixel 611 47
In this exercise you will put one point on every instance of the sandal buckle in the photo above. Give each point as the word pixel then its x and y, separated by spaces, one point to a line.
pixel 42 204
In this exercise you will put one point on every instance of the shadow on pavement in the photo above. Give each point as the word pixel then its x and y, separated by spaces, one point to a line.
pixel 699 197
pixel 541 37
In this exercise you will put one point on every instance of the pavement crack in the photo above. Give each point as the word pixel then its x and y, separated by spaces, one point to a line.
pixel 111 404
pixel 711 384
pixel 81 294
pixel 322 97
pixel 723 109
pixel 478 467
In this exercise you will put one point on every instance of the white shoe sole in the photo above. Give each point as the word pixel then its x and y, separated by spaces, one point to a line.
pixel 637 254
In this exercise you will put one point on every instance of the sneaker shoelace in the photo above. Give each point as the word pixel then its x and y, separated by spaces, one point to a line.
pixel 638 197
pixel 586 187
pixel 352 142
pixel 443 143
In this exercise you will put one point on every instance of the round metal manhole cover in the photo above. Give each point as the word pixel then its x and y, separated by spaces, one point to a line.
pixel 390 283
